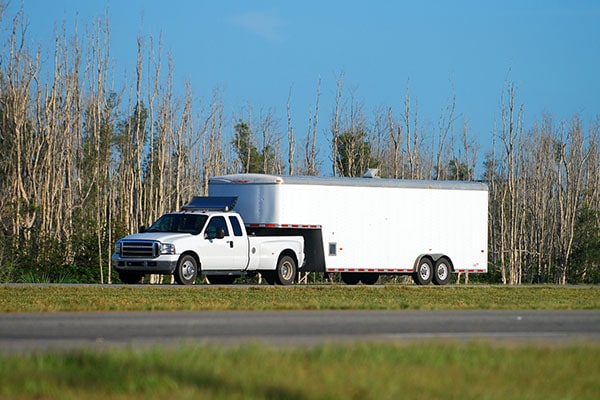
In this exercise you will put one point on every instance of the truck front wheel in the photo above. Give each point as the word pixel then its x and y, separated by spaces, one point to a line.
pixel 286 271
pixel 187 270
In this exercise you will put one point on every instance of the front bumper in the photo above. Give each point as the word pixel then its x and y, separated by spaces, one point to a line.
pixel 165 264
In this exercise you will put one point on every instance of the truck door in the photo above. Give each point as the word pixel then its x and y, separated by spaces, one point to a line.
pixel 227 253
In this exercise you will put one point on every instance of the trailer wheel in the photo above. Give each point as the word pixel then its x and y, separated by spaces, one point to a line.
pixel 369 278
pixel 441 272
pixel 187 270
pixel 286 271
pixel 424 272
pixel 350 278
pixel 130 278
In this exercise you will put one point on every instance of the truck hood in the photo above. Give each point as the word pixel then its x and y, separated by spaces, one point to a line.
pixel 163 237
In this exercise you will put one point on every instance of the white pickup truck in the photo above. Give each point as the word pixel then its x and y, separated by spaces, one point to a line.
pixel 207 237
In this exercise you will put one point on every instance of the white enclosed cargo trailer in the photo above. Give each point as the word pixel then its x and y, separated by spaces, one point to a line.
pixel 363 227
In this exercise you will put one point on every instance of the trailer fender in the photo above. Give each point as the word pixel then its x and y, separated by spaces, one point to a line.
pixel 434 258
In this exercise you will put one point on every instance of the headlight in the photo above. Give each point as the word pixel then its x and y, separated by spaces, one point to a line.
pixel 167 248
pixel 118 247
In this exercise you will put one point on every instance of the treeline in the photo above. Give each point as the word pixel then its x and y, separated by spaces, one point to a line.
pixel 84 160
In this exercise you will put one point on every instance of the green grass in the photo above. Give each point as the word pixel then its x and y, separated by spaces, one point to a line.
pixel 361 370
pixel 475 370
pixel 335 297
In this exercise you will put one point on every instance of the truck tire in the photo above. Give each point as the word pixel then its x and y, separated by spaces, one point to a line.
pixel 441 271
pixel 130 278
pixel 350 278
pixel 424 272
pixel 187 270
pixel 285 273
pixel 369 278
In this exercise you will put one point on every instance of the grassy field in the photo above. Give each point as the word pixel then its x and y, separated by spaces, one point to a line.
pixel 56 298
pixel 422 370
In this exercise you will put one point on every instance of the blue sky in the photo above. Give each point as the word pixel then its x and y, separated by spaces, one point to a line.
pixel 255 51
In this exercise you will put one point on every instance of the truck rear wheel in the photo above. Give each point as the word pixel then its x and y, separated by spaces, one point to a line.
pixel 441 271
pixel 187 270
pixel 424 272
pixel 286 271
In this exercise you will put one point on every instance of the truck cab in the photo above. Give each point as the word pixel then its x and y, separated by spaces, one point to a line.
pixel 205 236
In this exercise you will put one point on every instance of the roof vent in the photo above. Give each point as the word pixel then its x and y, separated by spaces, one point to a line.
pixel 371 173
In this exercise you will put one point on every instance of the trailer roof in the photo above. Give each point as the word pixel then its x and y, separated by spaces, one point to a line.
pixel 265 179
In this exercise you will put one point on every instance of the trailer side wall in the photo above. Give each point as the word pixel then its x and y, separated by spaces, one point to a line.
pixel 370 225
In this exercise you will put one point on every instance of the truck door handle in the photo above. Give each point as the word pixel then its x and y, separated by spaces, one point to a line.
pixel 230 243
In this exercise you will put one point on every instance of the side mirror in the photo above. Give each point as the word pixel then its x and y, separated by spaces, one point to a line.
pixel 142 229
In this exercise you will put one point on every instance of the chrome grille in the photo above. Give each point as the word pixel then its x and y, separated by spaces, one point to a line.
pixel 141 249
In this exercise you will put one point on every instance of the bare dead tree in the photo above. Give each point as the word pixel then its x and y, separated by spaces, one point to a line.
pixel 101 116
pixel 511 206
pixel 214 160
pixel 153 190
pixel 335 122
pixel 571 179
pixel 378 140
pixel 395 136
pixel 311 151
pixel 139 133
pixel 592 192
pixel 271 140
pixel 444 127
pixel 290 135
pixel 413 139
pixel 21 74
pixel 182 144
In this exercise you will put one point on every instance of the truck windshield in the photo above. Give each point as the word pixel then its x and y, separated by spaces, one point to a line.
pixel 179 223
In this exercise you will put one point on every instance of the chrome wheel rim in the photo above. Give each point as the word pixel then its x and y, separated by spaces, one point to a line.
pixel 188 270
pixel 287 270
pixel 425 271
pixel 442 271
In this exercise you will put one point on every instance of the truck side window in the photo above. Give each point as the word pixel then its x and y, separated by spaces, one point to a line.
pixel 215 224
pixel 235 225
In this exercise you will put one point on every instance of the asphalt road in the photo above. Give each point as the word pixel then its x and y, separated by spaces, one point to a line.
pixel 45 331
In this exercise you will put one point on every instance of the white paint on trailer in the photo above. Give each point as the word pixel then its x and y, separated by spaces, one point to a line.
pixel 376 225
